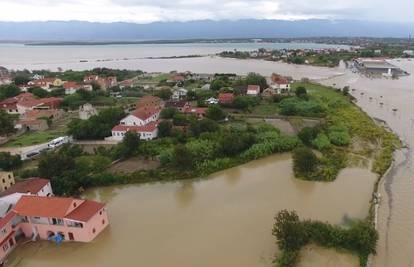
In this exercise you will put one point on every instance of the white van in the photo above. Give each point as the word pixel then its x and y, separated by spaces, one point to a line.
pixel 58 142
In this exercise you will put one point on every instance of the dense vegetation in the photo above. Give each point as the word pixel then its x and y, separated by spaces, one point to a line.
pixel 6 123
pixel 9 162
pixel 96 127
pixel 360 237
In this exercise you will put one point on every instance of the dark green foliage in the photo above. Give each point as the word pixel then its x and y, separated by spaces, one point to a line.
pixel 98 126
pixel 292 234
pixel 301 92
pixel 9 162
pixel 164 129
pixel 217 84
pixel 180 119
pixel 300 107
pixel 307 134
pixel 168 113
pixel 182 157
pixel 21 80
pixel 39 92
pixel 305 161
pixel 164 93
pixel 244 102
pixel 256 79
pixel 129 146
pixel 234 142
pixel 6 123
pixel 7 91
pixel 215 113
pixel 198 127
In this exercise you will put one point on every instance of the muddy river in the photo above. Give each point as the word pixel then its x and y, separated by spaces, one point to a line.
pixel 223 220
pixel 392 101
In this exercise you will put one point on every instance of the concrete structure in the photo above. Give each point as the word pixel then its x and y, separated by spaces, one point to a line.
pixel 33 186
pixel 6 180
pixel 377 67
pixel 86 111
pixel 146 132
pixel 179 93
pixel 226 98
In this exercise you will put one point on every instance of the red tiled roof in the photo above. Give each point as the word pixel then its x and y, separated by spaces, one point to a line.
pixel 70 85
pixel 30 103
pixel 35 114
pixel 255 88
pixel 149 128
pixel 282 81
pixel 176 104
pixel 85 211
pixel 226 97
pixel 56 207
pixel 145 112
pixel 31 185
pixel 6 219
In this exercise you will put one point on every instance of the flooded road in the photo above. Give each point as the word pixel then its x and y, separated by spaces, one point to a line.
pixel 224 220
pixel 392 101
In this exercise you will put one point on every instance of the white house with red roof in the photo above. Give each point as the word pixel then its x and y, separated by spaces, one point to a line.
pixel 253 90
pixel 143 121
pixel 281 85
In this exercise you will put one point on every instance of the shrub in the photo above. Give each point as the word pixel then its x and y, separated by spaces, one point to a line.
pixel 307 135
pixel 8 161
pixel 321 142
pixel 339 138
pixel 305 161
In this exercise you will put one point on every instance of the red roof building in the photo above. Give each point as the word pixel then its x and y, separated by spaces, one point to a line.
pixel 253 90
pixel 226 98
pixel 34 186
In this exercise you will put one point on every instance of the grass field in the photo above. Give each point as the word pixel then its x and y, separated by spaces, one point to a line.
pixel 33 138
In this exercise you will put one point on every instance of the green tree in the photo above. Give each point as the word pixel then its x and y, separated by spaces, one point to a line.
pixel 304 161
pixel 129 144
pixel 21 80
pixel 289 231
pixel 164 93
pixel 217 84
pixel 307 134
pixel 168 113
pixel 7 91
pixel 8 161
pixel 256 79
pixel 215 113
pixel 182 157
pixel 54 164
pixel 301 92
pixel 6 123
pixel 164 129
pixel 39 92
pixel 198 127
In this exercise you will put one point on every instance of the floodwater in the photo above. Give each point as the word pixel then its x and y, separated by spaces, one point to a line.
pixel 392 101
pixel 223 220
pixel 136 57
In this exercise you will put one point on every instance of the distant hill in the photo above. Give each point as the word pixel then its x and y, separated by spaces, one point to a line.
pixel 120 31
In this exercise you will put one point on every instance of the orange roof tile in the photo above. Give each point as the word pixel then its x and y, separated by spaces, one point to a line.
pixel 31 185
pixel 56 207
pixel 85 211
pixel 145 113
pixel 150 127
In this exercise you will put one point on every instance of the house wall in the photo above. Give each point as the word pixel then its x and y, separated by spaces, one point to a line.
pixel 119 135
pixel 6 180
pixel 87 233
pixel 7 241
pixel 46 191
pixel 131 120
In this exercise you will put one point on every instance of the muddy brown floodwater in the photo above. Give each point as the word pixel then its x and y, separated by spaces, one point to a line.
pixel 223 220
pixel 393 102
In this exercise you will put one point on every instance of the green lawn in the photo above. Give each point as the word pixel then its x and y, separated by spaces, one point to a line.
pixel 33 138
pixel 266 109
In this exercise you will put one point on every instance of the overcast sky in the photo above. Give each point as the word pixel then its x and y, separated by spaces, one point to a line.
pixel 144 11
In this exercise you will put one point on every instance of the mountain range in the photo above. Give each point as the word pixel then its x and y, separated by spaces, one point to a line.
pixel 123 31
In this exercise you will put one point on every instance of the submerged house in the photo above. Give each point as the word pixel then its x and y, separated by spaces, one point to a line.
pixel 29 209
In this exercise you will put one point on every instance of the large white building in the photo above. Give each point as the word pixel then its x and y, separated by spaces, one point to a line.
pixel 143 121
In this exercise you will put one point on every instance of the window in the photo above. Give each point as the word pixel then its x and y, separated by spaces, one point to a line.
pixel 74 204
pixel 4 230
pixel 103 221
pixel 93 230
pixel 100 213
pixel 4 181
pixel 5 247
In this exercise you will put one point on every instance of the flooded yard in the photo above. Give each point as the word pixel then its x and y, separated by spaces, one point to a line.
pixel 223 220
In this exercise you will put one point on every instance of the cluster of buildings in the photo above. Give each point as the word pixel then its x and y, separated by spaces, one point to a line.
pixel 29 210
pixel 33 112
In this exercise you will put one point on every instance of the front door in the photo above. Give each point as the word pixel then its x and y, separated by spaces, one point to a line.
pixel 71 236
